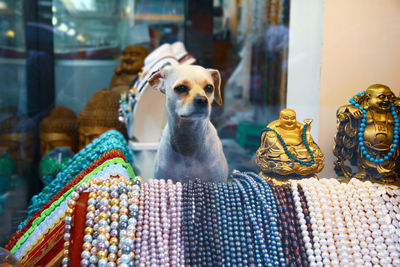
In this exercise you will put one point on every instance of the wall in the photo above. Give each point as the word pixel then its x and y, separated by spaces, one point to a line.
pixel 304 66
pixel 360 47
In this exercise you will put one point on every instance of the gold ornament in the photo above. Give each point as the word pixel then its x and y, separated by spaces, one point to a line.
pixel 59 129
pixel 367 131
pixel 99 116
pixel 131 63
pixel 287 149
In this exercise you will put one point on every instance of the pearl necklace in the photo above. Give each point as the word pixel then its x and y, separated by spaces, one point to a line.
pixel 313 261
pixel 391 197
pixel 361 131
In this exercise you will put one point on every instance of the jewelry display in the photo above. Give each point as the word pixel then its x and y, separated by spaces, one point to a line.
pixel 368 136
pixel 110 221
pixel 250 221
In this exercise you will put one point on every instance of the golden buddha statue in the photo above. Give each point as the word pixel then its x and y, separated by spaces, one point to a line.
pixel 131 63
pixel 99 115
pixel 59 129
pixel 287 148
pixel 368 135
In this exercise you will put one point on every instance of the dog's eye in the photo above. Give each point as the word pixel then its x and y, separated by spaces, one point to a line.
pixel 209 88
pixel 181 89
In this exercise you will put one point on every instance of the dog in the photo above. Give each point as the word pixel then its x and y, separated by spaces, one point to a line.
pixel 189 147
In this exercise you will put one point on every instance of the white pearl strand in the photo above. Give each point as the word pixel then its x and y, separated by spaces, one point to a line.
pixel 374 224
pixel 320 242
pixel 384 206
pixel 303 226
pixel 345 238
pixel 353 224
pixel 325 226
pixel 367 222
pixel 392 204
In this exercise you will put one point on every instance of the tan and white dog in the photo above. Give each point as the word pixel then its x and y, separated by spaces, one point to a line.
pixel 190 147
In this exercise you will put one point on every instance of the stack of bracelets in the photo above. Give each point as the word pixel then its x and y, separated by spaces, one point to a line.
pixel 248 222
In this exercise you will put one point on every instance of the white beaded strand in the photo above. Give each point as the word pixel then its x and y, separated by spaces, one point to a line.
pixel 312 259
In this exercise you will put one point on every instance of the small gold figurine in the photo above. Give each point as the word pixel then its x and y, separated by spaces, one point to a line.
pixel 368 136
pixel 131 63
pixel 99 115
pixel 287 149
pixel 59 129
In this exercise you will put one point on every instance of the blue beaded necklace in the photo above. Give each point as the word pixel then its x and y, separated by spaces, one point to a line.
pixel 270 212
pixel 361 131
pixel 303 136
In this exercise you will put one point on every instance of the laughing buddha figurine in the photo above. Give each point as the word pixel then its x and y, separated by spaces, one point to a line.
pixel 368 136
pixel 287 149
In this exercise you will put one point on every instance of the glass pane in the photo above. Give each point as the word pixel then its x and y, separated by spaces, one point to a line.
pixel 16 129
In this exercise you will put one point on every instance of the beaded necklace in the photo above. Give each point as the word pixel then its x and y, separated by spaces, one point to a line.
pixel 255 216
pixel 391 198
pixel 294 228
pixel 219 227
pixel 154 221
pixel 361 131
pixel 106 142
pixel 231 253
pixel 179 241
pixel 106 218
pixel 199 219
pixel 143 246
pixel 238 225
pixel 187 223
pixel 210 230
pixel 270 215
pixel 245 242
pixel 283 225
pixel 303 136
pixel 312 257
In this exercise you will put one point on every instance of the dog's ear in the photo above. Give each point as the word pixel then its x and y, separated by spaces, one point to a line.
pixel 157 79
pixel 217 85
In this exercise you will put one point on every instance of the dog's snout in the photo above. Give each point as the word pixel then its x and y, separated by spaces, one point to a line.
pixel 201 100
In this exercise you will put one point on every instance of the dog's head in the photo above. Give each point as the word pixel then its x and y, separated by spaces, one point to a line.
pixel 190 90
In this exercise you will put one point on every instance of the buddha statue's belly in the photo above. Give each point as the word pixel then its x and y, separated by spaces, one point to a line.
pixel 379 135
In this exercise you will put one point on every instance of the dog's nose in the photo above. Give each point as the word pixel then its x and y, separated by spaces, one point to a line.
pixel 201 100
